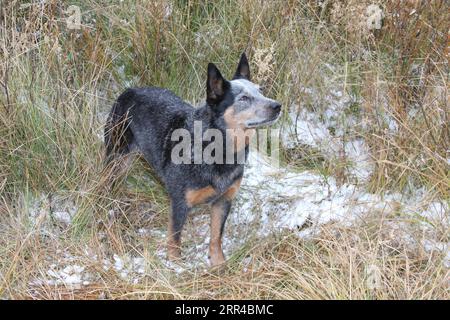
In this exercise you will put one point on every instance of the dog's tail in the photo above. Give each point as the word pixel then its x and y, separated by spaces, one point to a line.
pixel 118 135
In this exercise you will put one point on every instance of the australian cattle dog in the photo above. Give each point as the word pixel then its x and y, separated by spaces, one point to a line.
pixel 144 120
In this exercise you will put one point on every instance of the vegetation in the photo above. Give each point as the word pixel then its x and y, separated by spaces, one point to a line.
pixel 59 79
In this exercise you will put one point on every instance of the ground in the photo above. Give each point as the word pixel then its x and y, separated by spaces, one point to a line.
pixel 356 208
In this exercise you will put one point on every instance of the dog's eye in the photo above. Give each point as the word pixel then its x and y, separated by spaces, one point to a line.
pixel 244 98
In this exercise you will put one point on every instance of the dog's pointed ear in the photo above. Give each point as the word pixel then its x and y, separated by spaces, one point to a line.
pixel 216 85
pixel 243 69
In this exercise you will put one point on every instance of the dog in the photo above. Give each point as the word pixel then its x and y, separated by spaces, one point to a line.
pixel 144 119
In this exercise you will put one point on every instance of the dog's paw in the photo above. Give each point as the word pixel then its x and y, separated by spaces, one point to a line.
pixel 218 262
pixel 219 269
pixel 173 253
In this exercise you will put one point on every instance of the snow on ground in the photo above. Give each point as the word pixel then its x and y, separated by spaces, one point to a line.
pixel 271 199
pixel 330 128
pixel 309 130
pixel 69 271
pixel 65 270
pixel 443 247
pixel 283 199
pixel 60 209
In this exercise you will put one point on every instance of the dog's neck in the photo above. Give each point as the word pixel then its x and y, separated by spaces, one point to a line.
pixel 209 120
pixel 206 116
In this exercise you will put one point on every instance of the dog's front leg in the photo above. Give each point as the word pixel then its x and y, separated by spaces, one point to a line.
pixel 177 218
pixel 219 214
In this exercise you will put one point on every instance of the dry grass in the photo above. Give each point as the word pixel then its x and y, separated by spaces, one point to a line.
pixel 368 260
pixel 56 85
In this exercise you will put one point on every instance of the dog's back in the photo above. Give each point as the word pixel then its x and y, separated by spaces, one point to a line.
pixel 143 119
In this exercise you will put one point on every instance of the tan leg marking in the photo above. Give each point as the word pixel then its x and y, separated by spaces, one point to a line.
pixel 215 243
pixel 232 191
pixel 173 245
pixel 218 211
pixel 194 197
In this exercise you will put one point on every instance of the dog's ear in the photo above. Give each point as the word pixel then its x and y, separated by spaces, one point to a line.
pixel 243 69
pixel 216 85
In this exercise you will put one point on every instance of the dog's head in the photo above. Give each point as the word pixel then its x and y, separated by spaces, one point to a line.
pixel 239 101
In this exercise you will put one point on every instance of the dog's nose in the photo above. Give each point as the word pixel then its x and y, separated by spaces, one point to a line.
pixel 276 106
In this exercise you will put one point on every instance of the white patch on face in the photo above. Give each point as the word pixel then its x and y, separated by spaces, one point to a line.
pixel 247 87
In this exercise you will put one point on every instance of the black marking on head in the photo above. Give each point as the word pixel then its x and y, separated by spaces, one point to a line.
pixel 216 85
pixel 243 69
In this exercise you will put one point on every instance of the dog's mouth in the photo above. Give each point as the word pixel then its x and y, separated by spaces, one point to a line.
pixel 262 123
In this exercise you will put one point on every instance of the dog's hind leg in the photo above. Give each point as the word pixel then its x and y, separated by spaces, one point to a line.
pixel 177 218
pixel 219 214
pixel 116 169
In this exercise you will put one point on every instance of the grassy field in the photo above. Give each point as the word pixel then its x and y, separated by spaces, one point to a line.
pixel 65 234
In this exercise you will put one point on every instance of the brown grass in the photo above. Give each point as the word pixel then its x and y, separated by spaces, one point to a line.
pixel 56 86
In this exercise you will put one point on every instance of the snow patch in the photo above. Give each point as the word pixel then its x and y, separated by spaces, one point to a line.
pixel 128 267
pixel 327 131
pixel 60 209
pixel 441 247
pixel 282 199
pixel 66 271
